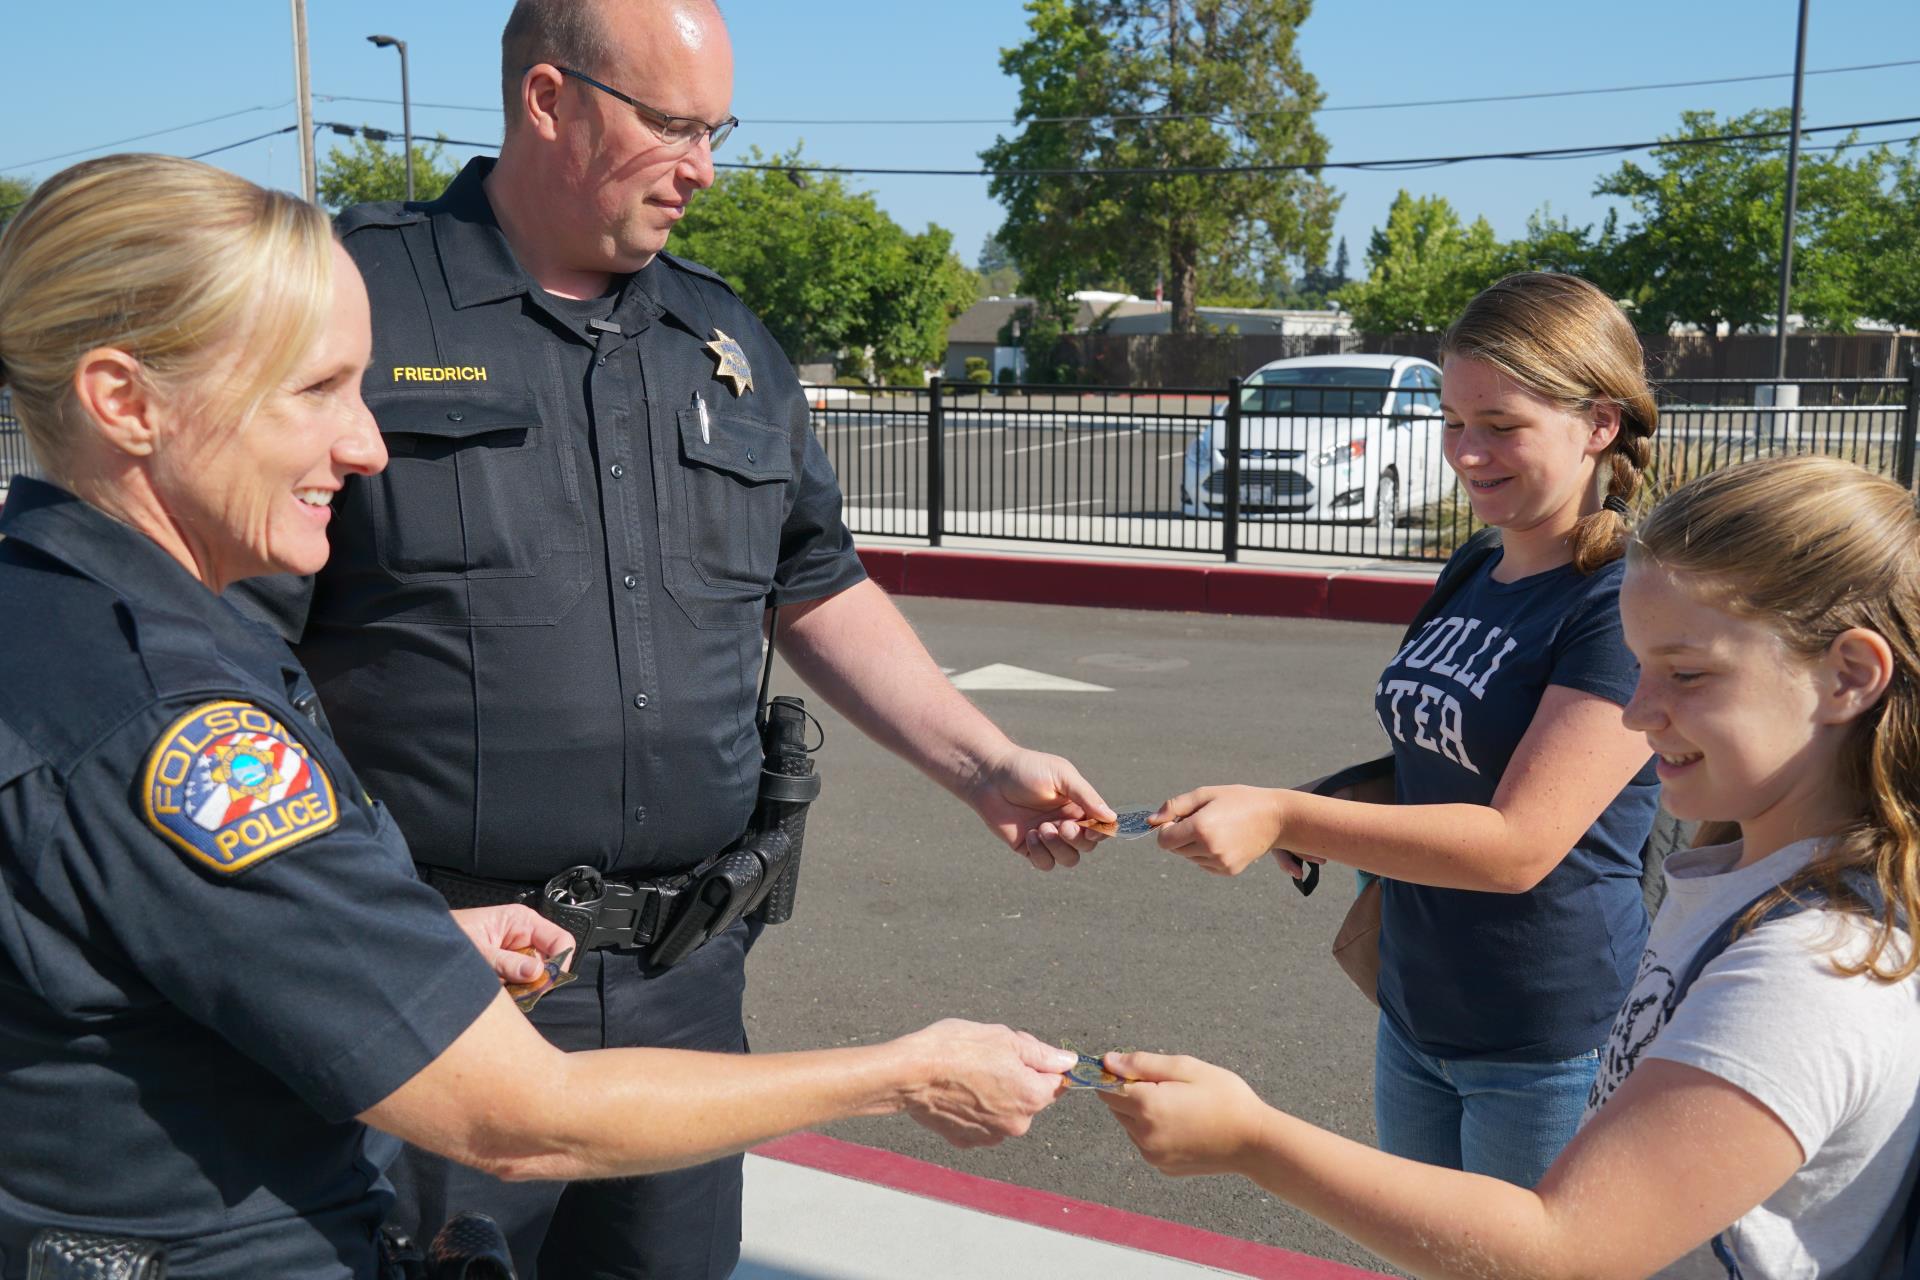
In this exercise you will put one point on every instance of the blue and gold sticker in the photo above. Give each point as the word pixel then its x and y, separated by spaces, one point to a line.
pixel 229 786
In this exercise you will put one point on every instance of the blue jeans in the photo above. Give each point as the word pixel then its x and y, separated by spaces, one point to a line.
pixel 1508 1120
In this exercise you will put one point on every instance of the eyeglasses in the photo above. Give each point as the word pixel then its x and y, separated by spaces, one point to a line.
pixel 678 131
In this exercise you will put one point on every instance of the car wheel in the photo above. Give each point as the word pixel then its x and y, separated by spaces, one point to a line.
pixel 1386 502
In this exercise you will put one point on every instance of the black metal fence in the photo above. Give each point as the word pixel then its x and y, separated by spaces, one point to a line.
pixel 14 458
pixel 1343 468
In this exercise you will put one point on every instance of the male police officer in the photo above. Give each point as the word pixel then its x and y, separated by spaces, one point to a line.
pixel 539 631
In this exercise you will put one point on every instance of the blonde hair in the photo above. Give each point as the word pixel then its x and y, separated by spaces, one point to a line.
pixel 178 264
pixel 1567 342
pixel 1811 547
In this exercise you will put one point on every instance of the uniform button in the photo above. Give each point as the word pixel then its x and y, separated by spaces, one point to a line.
pixel 629 582
pixel 602 362
pixel 616 471
pixel 456 417
pixel 749 455
pixel 640 814
pixel 640 700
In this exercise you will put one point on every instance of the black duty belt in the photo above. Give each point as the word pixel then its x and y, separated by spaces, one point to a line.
pixel 598 912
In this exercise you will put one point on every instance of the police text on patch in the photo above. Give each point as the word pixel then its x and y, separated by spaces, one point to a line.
pixel 229 786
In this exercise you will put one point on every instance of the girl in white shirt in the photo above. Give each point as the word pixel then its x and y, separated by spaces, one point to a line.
pixel 1775 610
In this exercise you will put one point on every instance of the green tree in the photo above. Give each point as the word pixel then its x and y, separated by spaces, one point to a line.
pixel 1155 84
pixel 365 170
pixel 1889 245
pixel 999 276
pixel 13 194
pixel 1705 248
pixel 825 268
pixel 1422 268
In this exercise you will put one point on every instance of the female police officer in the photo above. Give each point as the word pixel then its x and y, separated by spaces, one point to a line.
pixel 216 967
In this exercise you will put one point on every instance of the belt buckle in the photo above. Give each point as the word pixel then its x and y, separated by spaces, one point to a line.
pixel 602 913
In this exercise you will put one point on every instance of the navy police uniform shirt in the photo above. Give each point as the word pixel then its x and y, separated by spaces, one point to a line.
pixel 1536 976
pixel 213 950
pixel 539 633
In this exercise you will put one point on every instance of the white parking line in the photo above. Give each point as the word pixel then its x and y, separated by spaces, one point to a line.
pixel 1051 506
pixel 1070 441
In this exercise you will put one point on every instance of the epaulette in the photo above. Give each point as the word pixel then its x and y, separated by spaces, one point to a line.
pixel 695 269
pixel 381 213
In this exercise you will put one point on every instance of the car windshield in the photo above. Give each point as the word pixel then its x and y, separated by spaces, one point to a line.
pixel 1318 389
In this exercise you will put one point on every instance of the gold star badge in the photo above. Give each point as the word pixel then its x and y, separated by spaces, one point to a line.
pixel 733 362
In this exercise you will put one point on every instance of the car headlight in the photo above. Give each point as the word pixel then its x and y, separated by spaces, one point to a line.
pixel 1345 451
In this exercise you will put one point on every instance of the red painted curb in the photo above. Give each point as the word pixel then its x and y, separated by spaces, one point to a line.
pixel 1056 1213
pixel 1142 584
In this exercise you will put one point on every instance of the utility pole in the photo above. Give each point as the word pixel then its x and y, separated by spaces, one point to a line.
pixel 303 99
pixel 1793 194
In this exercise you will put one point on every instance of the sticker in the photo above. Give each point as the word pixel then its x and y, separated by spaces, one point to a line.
pixel 1091 1073
pixel 553 973
pixel 733 362
pixel 1128 824
pixel 229 786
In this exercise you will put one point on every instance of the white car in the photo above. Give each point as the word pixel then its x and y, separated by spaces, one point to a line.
pixel 1347 438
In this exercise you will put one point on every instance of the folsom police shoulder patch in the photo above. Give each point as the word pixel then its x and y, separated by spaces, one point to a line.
pixel 229 787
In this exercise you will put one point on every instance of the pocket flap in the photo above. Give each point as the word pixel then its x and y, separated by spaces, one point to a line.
pixel 457 416
pixel 743 447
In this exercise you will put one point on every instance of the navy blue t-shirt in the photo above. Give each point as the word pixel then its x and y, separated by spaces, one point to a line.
pixel 1536 976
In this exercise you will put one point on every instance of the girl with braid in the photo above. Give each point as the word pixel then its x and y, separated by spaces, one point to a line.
pixel 1762 1075
pixel 1508 830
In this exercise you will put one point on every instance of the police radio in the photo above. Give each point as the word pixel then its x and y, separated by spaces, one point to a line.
pixel 758 875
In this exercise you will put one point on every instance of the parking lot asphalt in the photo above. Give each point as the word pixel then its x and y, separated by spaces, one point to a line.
pixel 909 911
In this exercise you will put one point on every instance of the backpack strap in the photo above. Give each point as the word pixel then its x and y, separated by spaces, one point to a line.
pixel 1718 941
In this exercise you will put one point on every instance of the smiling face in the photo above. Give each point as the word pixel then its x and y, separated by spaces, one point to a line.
pixel 1524 462
pixel 255 498
pixel 1744 727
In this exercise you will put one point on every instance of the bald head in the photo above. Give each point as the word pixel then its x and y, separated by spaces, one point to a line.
pixel 598 37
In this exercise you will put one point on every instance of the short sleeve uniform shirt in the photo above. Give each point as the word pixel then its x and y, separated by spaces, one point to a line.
pixel 539 631
pixel 213 951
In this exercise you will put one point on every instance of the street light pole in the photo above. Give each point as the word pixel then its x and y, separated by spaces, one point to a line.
pixel 1793 194
pixel 406 102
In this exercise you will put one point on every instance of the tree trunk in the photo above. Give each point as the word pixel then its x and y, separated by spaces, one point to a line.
pixel 1183 268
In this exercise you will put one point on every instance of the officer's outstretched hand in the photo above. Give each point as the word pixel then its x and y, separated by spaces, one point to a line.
pixel 1033 801
pixel 982 1084
pixel 499 933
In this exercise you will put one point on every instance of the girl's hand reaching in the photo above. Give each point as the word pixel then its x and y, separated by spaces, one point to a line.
pixel 1224 830
pixel 1185 1115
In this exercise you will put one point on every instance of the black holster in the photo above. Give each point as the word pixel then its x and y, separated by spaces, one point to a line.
pixel 759 874
pixel 57 1254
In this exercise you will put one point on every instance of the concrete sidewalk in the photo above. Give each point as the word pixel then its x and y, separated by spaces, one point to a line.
pixel 821 1209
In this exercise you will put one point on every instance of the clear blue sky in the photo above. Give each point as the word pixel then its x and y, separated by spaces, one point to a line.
pixel 79 75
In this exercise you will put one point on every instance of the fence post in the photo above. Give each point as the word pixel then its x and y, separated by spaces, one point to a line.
pixel 1230 521
pixel 1909 426
pixel 936 462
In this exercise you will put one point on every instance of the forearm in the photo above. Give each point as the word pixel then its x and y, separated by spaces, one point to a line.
pixel 1426 1220
pixel 621 1112
pixel 857 651
pixel 1449 846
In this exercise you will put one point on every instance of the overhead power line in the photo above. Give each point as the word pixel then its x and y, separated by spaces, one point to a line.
pixel 142 137
pixel 1171 116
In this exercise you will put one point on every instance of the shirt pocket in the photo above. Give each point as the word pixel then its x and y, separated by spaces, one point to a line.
pixel 733 477
pixel 478 490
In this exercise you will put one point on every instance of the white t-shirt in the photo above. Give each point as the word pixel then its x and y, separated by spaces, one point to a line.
pixel 1836 1059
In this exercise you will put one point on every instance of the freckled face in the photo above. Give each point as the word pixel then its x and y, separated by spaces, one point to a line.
pixel 1730 710
pixel 1523 461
